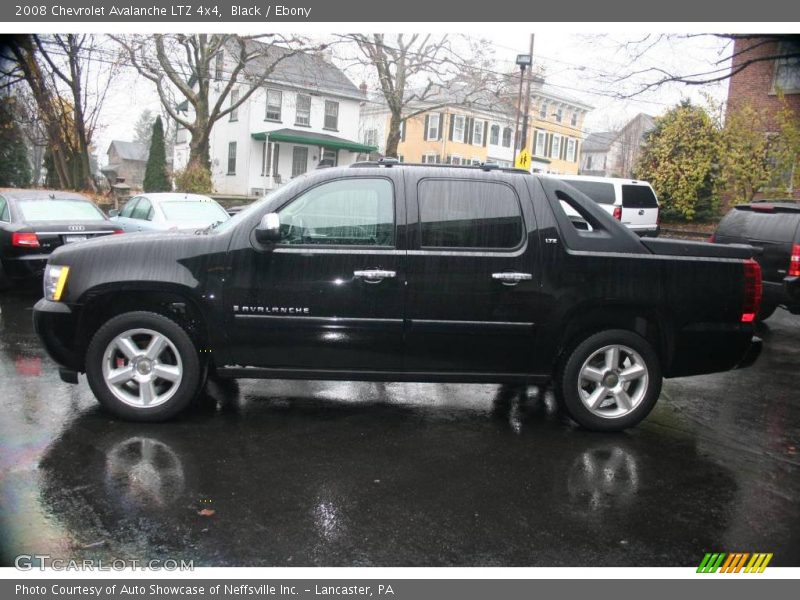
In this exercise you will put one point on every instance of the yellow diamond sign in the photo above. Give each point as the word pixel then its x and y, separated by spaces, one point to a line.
pixel 523 160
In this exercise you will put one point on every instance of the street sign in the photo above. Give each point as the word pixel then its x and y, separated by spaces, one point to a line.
pixel 523 160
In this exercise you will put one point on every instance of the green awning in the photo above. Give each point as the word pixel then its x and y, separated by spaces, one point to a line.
pixel 295 136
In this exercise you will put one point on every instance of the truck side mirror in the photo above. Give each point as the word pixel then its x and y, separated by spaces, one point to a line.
pixel 269 228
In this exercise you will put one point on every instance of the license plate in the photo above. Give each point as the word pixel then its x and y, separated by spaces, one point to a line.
pixel 68 239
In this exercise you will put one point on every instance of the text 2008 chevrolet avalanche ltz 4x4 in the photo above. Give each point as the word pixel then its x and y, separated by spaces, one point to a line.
pixel 382 271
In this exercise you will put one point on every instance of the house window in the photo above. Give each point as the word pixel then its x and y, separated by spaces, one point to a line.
pixel 181 135
pixel 299 160
pixel 219 62
pixel 234 114
pixel 434 121
pixel 574 120
pixel 559 114
pixel 455 160
pixel 589 162
pixel 494 135
pixel 371 137
pixel 507 137
pixel 274 103
pixel 303 115
pixel 787 69
pixel 571 150
pixel 232 158
pixel 267 159
pixel 543 110
pixel 430 159
pixel 477 133
pixel 556 149
pixel 458 128
pixel 331 115
pixel 476 162
pixel 541 137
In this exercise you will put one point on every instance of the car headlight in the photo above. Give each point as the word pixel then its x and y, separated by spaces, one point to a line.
pixel 55 278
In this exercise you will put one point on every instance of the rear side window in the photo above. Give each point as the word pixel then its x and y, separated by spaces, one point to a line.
pixel 602 193
pixel 4 216
pixel 469 214
pixel 638 196
pixel 127 210
pixel 143 210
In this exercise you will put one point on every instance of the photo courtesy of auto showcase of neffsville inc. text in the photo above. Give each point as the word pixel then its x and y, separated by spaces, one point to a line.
pixel 378 301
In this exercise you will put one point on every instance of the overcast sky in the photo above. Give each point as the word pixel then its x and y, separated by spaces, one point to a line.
pixel 579 64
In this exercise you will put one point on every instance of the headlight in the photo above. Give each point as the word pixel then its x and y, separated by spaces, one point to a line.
pixel 55 278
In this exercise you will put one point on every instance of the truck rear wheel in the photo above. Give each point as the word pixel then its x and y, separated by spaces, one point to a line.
pixel 143 366
pixel 610 381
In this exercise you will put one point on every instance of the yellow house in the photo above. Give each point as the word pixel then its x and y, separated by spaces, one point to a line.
pixel 472 134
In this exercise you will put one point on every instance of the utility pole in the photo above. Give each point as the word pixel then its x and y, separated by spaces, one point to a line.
pixel 523 61
pixel 526 117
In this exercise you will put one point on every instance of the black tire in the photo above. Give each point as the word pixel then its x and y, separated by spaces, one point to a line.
pixel 766 311
pixel 192 370
pixel 568 380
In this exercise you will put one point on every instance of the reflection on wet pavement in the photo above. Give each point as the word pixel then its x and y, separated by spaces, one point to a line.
pixel 342 473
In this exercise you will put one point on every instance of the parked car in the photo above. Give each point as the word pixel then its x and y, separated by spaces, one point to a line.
pixel 633 203
pixel 33 223
pixel 383 271
pixel 168 211
pixel 774 227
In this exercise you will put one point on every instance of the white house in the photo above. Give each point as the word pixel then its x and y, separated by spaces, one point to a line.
pixel 614 153
pixel 307 112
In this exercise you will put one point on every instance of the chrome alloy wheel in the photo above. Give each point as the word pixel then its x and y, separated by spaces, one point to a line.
pixel 142 368
pixel 613 381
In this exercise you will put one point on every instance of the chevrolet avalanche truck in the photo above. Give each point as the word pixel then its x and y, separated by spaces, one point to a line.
pixel 389 272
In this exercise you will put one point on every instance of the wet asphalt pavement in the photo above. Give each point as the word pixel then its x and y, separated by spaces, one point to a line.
pixel 362 474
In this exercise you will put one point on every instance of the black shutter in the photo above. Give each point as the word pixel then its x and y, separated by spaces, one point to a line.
pixel 425 133
pixel 548 150
pixel 564 151
pixel 441 127
pixel 577 152
pixel 448 159
pixel 438 159
pixel 452 124
pixel 534 133
pixel 403 130
pixel 485 133
pixel 469 124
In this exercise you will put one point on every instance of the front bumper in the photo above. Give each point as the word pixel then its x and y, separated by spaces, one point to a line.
pixel 56 325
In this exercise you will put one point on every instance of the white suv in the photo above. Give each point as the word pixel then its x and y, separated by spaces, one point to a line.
pixel 631 202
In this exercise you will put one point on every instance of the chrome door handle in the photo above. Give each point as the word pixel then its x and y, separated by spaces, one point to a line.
pixel 374 275
pixel 511 278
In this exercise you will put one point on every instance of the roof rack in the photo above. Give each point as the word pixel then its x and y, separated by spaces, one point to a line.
pixel 393 162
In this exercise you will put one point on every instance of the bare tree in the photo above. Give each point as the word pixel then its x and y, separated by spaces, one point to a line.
pixel 183 68
pixel 417 73
pixel 68 91
pixel 633 80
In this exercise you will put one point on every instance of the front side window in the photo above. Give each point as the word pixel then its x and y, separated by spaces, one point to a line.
pixel 457 214
pixel 299 160
pixel 458 128
pixel 351 212
pixel 331 114
pixel 274 105
pixel 494 136
pixel 303 115
pixel 143 210
pixel 477 133
pixel 127 210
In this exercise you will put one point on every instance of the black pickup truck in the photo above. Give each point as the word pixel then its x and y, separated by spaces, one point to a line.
pixel 383 271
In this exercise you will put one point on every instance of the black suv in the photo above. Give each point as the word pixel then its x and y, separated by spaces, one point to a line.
pixel 774 227
pixel 402 273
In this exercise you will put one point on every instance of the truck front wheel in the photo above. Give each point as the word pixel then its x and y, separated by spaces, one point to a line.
pixel 143 366
pixel 610 381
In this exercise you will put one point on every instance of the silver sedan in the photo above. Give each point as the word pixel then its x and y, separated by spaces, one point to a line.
pixel 168 211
